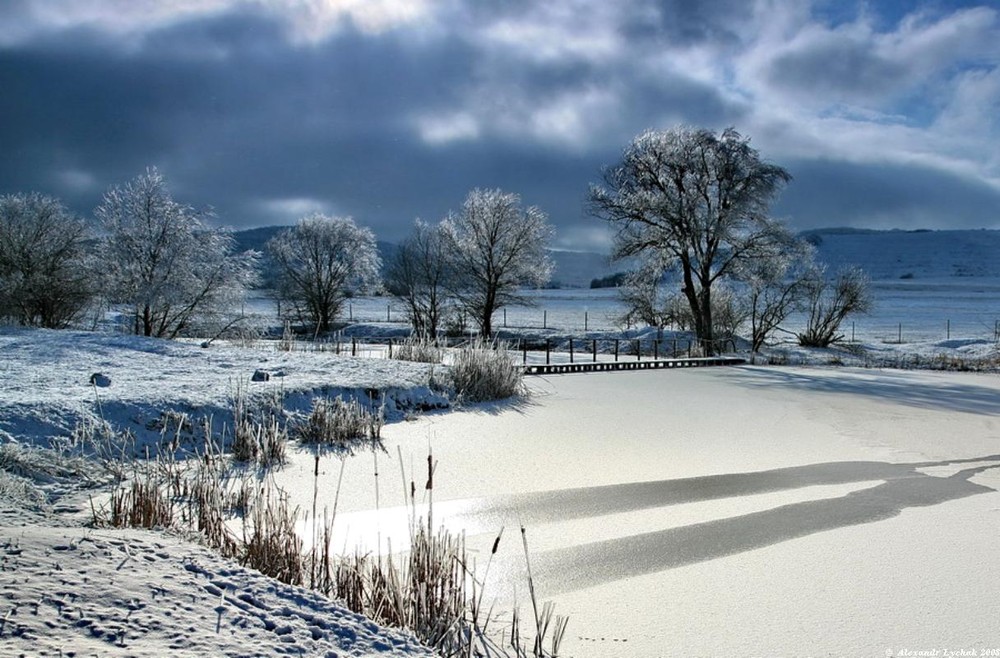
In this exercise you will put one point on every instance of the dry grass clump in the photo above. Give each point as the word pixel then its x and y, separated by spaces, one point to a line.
pixel 433 591
pixel 341 425
pixel 270 543
pixel 484 370
pixel 421 349
pixel 259 437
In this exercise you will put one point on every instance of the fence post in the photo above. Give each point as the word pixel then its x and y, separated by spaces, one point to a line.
pixel 656 349
pixel 350 311
pixel 586 322
pixel 545 319
pixel 616 349
pixel 505 317
pixel 689 348
pixel 638 349
pixel 673 349
pixel 595 350
pixel 390 348
pixel 852 331
pixel 547 349
pixel 948 325
pixel 387 307
pixel 571 350
pixel 900 333
pixel 354 346
pixel 524 352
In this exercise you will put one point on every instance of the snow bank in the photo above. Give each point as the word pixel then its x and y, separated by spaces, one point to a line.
pixel 74 591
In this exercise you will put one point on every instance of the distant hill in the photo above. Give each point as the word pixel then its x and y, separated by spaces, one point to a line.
pixel 883 254
pixel 910 254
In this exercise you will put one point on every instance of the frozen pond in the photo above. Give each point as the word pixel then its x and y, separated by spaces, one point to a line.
pixel 727 511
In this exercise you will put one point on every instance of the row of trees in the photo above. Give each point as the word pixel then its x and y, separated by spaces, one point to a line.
pixel 690 205
pixel 163 266
pixel 153 258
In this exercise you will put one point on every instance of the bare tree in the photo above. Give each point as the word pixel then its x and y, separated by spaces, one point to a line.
pixel 829 302
pixel 776 287
pixel 699 201
pixel 320 261
pixel 495 247
pixel 164 264
pixel 418 275
pixel 44 275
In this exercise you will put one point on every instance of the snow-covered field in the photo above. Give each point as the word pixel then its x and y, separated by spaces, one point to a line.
pixel 733 511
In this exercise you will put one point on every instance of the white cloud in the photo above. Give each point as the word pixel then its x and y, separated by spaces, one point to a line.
pixel 437 130
pixel 924 91
pixel 291 209
pixel 308 21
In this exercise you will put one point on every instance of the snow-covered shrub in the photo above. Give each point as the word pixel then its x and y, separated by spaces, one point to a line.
pixel 339 424
pixel 484 370
pixel 418 348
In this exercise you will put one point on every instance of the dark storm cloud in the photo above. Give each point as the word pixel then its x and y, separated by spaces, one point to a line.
pixel 243 113
pixel 885 196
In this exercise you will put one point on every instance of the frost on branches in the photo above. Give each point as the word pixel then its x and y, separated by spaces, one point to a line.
pixel 45 277
pixel 320 261
pixel 170 271
pixel 698 201
pixel 496 247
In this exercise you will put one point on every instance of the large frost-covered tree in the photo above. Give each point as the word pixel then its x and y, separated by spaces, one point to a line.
pixel 320 261
pixel 44 276
pixel 695 200
pixel 419 274
pixel 496 246
pixel 164 264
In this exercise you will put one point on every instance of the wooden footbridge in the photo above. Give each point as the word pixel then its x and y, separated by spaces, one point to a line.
pixel 648 364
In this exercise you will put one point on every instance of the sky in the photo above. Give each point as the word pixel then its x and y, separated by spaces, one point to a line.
pixel 886 113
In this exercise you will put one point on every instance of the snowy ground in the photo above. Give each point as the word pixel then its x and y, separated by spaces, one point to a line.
pixel 80 592
pixel 740 511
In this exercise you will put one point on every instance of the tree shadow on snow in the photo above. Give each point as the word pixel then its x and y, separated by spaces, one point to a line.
pixel 899 387
pixel 586 565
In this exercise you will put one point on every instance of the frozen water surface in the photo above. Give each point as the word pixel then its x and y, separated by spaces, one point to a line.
pixel 729 511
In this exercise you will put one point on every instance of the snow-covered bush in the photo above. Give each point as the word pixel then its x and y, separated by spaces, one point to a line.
pixel 339 424
pixel 484 370
pixel 419 349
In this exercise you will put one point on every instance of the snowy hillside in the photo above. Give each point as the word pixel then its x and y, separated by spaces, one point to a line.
pixel 910 254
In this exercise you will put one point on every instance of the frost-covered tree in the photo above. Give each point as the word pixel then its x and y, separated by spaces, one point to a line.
pixel 775 288
pixel 320 261
pixel 418 274
pixel 828 303
pixel 165 265
pixel 495 246
pixel 44 275
pixel 649 301
pixel 697 200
